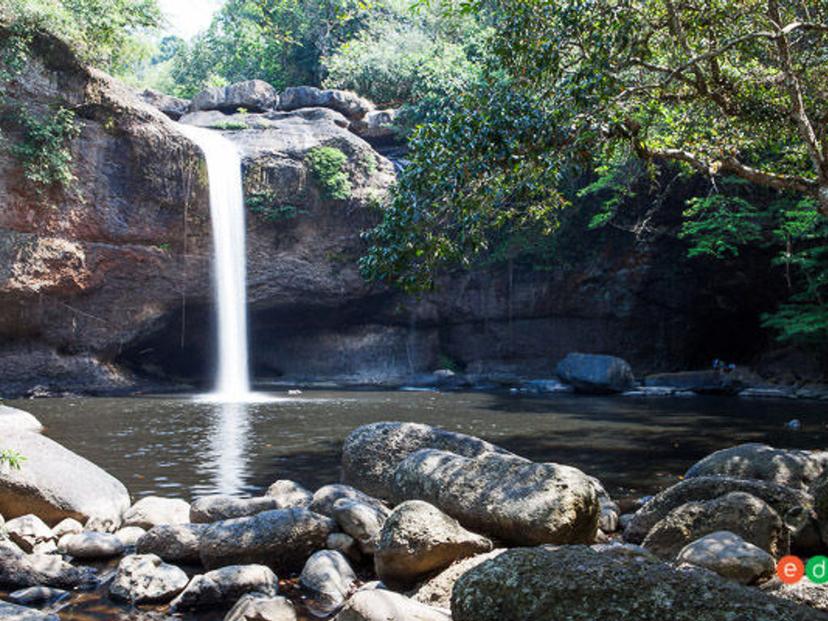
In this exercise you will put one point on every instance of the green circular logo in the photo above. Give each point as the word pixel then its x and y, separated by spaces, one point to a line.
pixel 817 569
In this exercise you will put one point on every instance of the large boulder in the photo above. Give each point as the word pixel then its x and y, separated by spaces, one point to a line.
pixel 377 127
pixel 380 605
pixel 351 105
pixel 252 95
pixel 782 499
pixel 594 373
pixel 328 579
pixel 226 585
pixel 12 419
pixel 792 468
pixel 578 584
pixel 55 483
pixel 372 452
pixel 418 539
pixel 154 511
pixel 503 496
pixel 745 515
pixel 215 508
pixel 146 579
pixel 280 539
pixel 25 570
pixel 175 543
pixel 729 556
pixel 173 107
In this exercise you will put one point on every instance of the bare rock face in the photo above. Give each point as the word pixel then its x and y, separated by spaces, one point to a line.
pixel 56 484
pixel 326 497
pixel 12 419
pixel 417 540
pixel 745 515
pixel 91 546
pixel 173 107
pixel 593 373
pixel 577 584
pixel 280 539
pixel 436 591
pixel 145 579
pixel 13 612
pixel 328 579
pixel 289 495
pixel 91 267
pixel 371 453
pixel 504 496
pixel 791 468
pixel 362 521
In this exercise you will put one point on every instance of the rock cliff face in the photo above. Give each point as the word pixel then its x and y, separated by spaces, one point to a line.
pixel 108 282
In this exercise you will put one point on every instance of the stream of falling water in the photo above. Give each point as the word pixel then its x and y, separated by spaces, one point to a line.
pixel 230 271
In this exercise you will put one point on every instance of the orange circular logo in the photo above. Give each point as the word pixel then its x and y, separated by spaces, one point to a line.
pixel 790 569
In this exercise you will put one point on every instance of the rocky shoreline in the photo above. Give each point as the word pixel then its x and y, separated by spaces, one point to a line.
pixel 425 524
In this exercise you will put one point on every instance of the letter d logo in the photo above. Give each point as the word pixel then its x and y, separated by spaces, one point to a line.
pixel 817 569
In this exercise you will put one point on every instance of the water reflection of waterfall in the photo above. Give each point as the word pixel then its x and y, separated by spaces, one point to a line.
pixel 228 452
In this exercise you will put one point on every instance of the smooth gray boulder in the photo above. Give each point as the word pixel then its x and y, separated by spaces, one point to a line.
pixel 745 515
pixel 504 496
pixel 67 527
pixel 258 608
pixel 371 453
pixel 21 570
pixel 381 605
pixel 13 612
pixel 216 508
pixel 361 521
pixel 792 468
pixel 174 543
pixel 155 511
pixel 344 543
pixel 225 585
pixel 14 420
pixel 783 500
pixel 730 556
pixel 252 95
pixel 349 104
pixel 578 584
pixel 91 546
pixel 282 539
pixel 328 579
pixel 146 579
pixel 326 497
pixel 55 483
pixel 596 374
pixel 377 127
pixel 289 495
pixel 418 540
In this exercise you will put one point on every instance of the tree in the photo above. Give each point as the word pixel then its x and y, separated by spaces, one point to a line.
pixel 725 87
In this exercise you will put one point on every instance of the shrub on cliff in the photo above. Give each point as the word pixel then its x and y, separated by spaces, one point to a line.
pixel 328 167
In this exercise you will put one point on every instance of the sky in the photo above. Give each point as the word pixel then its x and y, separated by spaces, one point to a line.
pixel 188 17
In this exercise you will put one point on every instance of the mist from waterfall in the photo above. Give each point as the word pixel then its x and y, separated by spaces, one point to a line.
pixel 230 270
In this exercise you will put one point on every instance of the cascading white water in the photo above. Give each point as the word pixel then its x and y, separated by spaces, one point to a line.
pixel 230 269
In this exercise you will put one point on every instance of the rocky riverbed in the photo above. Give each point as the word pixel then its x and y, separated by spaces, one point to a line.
pixel 424 524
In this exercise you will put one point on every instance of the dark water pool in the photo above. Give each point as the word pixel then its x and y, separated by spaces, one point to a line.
pixel 180 447
pixel 175 446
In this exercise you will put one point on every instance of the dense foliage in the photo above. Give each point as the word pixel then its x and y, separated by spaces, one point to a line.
pixel 728 90
pixel 327 164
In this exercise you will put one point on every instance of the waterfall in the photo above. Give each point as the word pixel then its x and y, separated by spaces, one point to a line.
pixel 230 270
